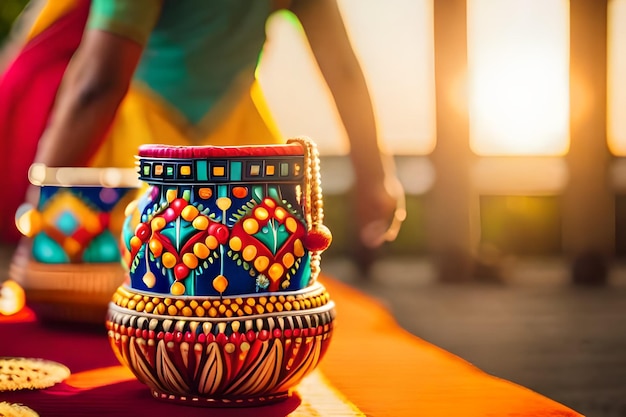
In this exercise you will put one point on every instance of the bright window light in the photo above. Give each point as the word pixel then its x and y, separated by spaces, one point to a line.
pixel 518 64
pixel 616 68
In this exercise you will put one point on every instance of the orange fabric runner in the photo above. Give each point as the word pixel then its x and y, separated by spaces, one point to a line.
pixel 385 371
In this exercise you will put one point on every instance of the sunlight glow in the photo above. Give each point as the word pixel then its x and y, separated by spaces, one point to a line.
pixel 100 377
pixel 616 68
pixel 12 298
pixel 523 175
pixel 518 64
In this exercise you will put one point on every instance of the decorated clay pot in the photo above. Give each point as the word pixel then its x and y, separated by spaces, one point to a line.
pixel 222 305
pixel 70 262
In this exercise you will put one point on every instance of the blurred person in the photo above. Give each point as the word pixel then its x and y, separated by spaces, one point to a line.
pixel 38 50
pixel 97 79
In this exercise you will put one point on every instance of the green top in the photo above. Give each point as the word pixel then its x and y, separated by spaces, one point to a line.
pixel 194 49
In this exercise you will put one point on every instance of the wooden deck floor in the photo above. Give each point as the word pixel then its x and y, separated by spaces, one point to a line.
pixel 568 343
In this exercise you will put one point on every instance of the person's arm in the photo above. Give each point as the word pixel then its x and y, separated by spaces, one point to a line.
pixel 377 187
pixel 96 80
pixel 94 85
pixel 325 31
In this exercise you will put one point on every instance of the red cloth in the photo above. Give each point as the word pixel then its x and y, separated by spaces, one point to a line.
pixel 87 349
pixel 27 92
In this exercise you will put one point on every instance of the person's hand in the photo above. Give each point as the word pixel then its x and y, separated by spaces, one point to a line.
pixel 380 211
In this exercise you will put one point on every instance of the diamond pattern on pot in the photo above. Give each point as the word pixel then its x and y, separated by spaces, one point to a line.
pixel 72 223
pixel 180 239
pixel 270 239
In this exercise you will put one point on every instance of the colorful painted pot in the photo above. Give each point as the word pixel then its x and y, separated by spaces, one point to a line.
pixel 71 264
pixel 222 304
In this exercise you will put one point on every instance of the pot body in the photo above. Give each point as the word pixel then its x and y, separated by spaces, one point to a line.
pixel 221 305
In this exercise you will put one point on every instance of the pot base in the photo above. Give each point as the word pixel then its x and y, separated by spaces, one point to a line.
pixel 60 293
pixel 222 402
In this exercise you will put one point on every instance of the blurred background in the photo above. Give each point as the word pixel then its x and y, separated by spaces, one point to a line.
pixel 8 12
pixel 507 121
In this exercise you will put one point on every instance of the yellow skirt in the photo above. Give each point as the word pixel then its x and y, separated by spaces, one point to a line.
pixel 142 119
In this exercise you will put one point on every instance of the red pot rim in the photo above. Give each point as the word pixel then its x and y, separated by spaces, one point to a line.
pixel 197 152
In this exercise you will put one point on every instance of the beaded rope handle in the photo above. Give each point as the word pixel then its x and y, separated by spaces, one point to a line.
pixel 313 203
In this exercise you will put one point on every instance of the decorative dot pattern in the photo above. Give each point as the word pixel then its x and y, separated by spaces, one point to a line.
pixel 218 307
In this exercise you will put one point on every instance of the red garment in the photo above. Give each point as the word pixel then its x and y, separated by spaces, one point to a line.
pixel 27 92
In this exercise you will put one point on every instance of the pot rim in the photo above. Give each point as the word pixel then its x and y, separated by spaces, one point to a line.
pixel 159 151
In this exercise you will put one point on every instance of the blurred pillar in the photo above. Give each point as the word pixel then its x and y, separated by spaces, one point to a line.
pixel 448 202
pixel 588 201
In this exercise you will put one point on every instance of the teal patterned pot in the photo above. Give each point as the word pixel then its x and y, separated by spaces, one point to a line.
pixel 71 264
pixel 222 305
